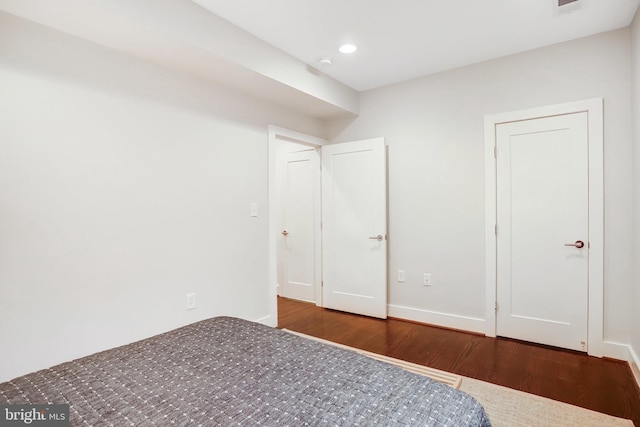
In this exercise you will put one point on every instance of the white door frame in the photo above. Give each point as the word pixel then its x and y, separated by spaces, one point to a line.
pixel 277 134
pixel 594 109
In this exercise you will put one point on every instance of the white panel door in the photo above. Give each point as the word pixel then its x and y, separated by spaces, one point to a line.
pixel 299 218
pixel 354 227
pixel 542 230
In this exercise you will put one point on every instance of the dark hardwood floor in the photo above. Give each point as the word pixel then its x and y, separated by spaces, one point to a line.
pixel 603 385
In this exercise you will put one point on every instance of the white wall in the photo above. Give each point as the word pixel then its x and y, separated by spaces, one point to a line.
pixel 434 128
pixel 123 186
pixel 635 323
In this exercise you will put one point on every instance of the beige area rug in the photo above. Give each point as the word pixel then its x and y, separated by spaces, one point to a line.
pixel 513 408
pixel 505 407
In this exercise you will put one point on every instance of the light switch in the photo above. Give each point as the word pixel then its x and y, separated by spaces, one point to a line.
pixel 254 209
pixel 191 301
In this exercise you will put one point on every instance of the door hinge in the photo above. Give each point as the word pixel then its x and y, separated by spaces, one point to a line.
pixel 496 307
pixel 495 229
pixel 495 151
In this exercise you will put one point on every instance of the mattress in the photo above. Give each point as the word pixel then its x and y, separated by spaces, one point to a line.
pixel 226 371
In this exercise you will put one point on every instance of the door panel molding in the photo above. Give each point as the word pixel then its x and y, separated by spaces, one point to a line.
pixel 594 109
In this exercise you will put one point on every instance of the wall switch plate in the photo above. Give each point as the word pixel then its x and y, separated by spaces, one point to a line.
pixel 400 276
pixel 427 279
pixel 254 209
pixel 191 301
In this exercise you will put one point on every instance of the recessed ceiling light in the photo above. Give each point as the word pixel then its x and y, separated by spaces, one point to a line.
pixel 348 48
pixel 325 61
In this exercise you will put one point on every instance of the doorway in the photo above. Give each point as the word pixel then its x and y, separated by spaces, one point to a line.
pixel 353 211
pixel 299 245
pixel 281 142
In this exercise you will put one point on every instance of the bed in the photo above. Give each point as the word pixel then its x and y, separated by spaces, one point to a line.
pixel 231 372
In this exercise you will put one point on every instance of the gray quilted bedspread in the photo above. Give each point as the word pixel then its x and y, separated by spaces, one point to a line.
pixel 229 372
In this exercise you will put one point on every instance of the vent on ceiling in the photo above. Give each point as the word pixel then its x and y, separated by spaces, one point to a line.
pixel 568 6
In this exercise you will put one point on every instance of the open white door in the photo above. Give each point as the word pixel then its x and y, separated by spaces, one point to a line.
pixel 354 227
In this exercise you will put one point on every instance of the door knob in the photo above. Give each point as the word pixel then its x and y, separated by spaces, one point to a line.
pixel 578 244
pixel 379 237
pixel 285 233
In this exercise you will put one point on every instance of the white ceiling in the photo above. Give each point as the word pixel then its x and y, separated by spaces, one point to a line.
pixel 269 48
pixel 183 36
pixel 402 39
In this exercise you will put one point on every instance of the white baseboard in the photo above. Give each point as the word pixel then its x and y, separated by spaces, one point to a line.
pixel 445 320
pixel 615 350
pixel 634 362
pixel 266 320
pixel 624 352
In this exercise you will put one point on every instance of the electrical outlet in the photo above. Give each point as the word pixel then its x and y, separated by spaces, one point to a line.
pixel 191 301
pixel 400 276
pixel 427 279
